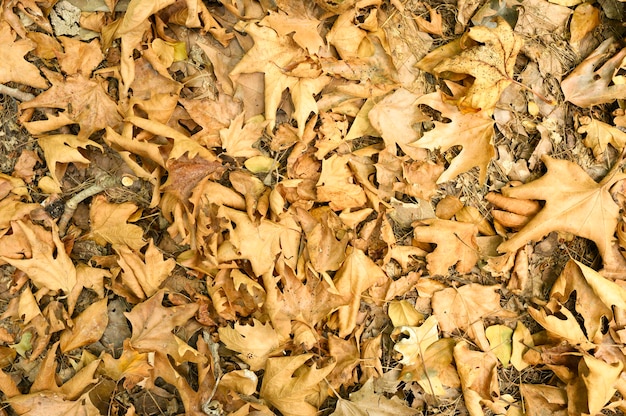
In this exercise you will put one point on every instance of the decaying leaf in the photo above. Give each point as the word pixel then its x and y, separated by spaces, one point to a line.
pixel 366 402
pixel 489 58
pixel 591 82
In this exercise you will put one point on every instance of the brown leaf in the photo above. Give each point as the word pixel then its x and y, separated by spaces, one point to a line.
pixel 289 385
pixel 464 309
pixel 473 131
pixel 591 82
pixel 479 378
pixel 575 203
pixel 44 268
pixel 153 324
pixel 83 101
pixel 88 327
pixel 357 274
pixel 489 58
pixel 254 343
pixel 456 244
pixel 109 224
pixel 13 67
pixel 367 402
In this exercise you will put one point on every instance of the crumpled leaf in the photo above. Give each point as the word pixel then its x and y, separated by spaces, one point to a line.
pixel 591 82
pixel 464 308
pixel 599 135
pixel 289 385
pixel 82 100
pixel 489 59
pixel 63 148
pixel 419 339
pixel 479 378
pixel 336 184
pixel 357 274
pixel 575 203
pixel 473 131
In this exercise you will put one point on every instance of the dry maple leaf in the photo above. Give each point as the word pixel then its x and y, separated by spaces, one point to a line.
pixel 473 131
pixel 84 101
pixel 143 275
pixel 132 366
pixel 489 59
pixel 465 307
pixel 253 342
pixel 258 243
pixel 63 149
pixel 366 402
pixel 278 58
pixel 336 184
pixel 13 66
pixel 479 377
pixel 574 203
pixel 600 135
pixel 357 274
pixel 87 328
pixel 290 386
pixel 153 324
pixel 109 224
pixel 591 83
pixel 238 139
pixel 49 266
pixel 456 244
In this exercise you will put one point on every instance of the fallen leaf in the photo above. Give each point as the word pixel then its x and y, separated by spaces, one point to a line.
pixel 87 328
pixel 402 313
pixel 63 149
pixel 82 100
pixel 419 339
pixel 336 185
pixel 456 244
pixel 489 58
pixel 357 274
pixel 144 274
pixel 575 203
pixel 472 131
pixel 599 135
pixel 254 343
pixel 600 378
pixel 499 337
pixel 153 324
pixel 591 82
pixel 49 265
pixel 109 224
pixel 560 322
pixel 479 379
pixel 289 385
pixel 465 307
pixel 585 19
pixel 13 66
pixel 366 402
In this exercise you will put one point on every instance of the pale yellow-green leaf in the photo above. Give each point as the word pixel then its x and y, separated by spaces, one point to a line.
pixel 499 337
pixel 521 341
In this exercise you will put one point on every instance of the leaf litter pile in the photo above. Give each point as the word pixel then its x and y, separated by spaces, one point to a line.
pixel 299 208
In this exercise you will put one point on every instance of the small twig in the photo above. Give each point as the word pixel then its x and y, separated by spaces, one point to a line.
pixel 71 205
pixel 15 93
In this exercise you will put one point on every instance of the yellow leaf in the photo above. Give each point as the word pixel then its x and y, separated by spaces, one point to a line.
pixel 600 378
pixel 420 338
pixel 402 313
pixel 499 337
pixel 63 148
pixel 567 328
pixel 522 340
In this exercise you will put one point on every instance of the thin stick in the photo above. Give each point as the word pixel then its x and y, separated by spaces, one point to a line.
pixel 71 205
pixel 15 93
